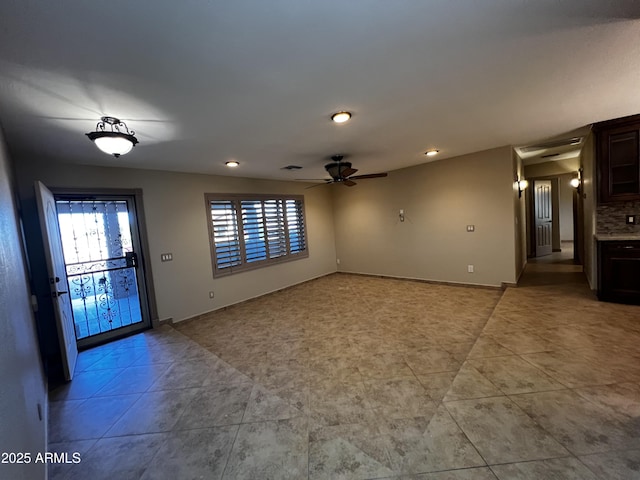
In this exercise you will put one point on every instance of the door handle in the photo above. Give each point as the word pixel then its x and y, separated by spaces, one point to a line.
pixel 131 258
pixel 57 294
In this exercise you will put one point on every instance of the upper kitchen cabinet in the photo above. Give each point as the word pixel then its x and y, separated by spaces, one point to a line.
pixel 618 159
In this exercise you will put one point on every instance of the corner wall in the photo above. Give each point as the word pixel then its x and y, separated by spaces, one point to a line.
pixel 176 220
pixel 520 217
pixel 587 160
pixel 23 384
pixel 439 200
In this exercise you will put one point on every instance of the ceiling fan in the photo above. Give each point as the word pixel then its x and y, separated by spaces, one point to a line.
pixel 342 172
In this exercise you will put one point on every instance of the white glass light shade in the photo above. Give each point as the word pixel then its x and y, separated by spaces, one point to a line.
pixel 431 153
pixel 341 117
pixel 575 182
pixel 112 136
pixel 522 184
pixel 114 145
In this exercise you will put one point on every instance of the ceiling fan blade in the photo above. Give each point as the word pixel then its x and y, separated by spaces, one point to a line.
pixel 347 172
pixel 317 185
pixel 348 182
pixel 371 175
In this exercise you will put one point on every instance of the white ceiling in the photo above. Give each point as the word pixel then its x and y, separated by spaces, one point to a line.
pixel 202 82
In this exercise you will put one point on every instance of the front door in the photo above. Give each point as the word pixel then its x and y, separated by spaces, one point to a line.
pixel 543 217
pixel 101 243
pixel 57 278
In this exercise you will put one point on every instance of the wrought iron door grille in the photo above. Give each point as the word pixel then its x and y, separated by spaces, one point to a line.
pixel 99 258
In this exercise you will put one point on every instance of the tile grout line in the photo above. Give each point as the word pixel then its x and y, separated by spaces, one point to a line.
pixel 443 403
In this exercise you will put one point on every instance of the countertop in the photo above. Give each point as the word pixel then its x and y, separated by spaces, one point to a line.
pixel 617 237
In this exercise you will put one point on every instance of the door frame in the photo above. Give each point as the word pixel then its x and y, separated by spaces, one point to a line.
pixel 144 257
pixel 578 220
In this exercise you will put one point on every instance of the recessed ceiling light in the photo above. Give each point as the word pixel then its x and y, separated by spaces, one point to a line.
pixel 341 117
pixel 432 152
pixel 232 164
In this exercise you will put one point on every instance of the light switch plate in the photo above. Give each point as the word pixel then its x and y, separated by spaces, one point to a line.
pixel 471 228
pixel 166 257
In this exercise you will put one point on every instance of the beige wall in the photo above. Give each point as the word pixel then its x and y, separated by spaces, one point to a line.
pixel 23 383
pixel 176 220
pixel 566 206
pixel 439 200
pixel 587 159
pixel 548 169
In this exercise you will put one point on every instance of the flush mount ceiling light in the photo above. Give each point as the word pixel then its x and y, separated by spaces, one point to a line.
pixel 432 152
pixel 232 164
pixel 113 136
pixel 341 117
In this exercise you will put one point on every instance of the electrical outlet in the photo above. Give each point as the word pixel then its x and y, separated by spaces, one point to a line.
pixel 211 294
pixel 166 257
pixel 631 219
pixel 470 268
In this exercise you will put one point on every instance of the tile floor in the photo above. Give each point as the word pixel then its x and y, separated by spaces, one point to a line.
pixel 352 377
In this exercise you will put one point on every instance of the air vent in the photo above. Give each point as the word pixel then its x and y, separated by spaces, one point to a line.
pixel 292 167
pixel 550 155
pixel 565 142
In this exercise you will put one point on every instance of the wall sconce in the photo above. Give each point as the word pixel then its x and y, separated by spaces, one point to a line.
pixel 522 185
pixel 576 182
pixel 112 136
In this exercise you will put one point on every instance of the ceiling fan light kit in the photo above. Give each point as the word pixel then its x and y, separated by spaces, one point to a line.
pixel 342 172
pixel 113 137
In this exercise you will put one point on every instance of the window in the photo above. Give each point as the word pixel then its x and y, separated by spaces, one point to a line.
pixel 251 231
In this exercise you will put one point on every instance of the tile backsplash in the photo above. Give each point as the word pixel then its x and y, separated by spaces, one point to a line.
pixel 611 218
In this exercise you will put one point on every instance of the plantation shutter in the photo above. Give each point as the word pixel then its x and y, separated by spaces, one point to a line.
pixel 275 225
pixel 226 240
pixel 253 231
pixel 295 226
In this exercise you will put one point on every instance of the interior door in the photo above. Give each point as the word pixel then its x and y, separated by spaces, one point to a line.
pixel 543 217
pixel 57 278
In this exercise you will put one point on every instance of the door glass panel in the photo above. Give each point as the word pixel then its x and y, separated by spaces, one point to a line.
pixel 98 248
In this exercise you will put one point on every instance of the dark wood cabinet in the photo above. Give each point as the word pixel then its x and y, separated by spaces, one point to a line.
pixel 618 159
pixel 619 271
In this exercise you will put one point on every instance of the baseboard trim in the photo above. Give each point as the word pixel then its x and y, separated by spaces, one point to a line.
pixel 424 280
pixel 247 300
